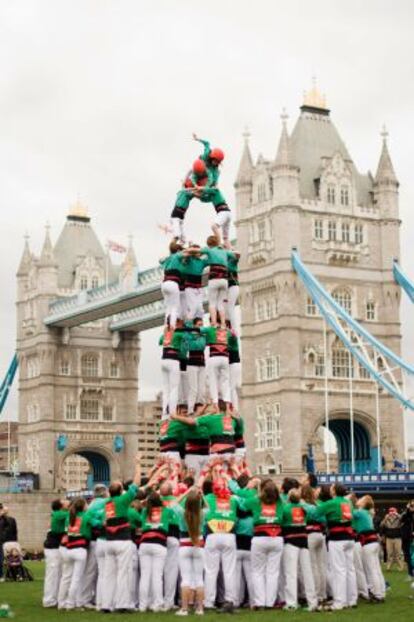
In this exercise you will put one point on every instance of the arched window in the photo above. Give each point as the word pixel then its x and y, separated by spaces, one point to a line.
pixel 83 281
pixel 343 297
pixel 342 363
pixel 95 282
pixel 89 365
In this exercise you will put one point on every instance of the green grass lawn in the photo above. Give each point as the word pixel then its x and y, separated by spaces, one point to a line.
pixel 25 601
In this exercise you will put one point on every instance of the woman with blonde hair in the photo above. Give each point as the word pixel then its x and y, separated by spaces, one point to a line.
pixel 368 538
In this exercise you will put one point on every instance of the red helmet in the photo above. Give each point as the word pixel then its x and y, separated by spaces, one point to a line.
pixel 216 154
pixel 199 167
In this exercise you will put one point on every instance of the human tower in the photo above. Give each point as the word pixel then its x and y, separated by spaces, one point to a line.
pixel 200 531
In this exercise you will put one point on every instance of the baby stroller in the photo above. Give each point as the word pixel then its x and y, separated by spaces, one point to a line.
pixel 14 568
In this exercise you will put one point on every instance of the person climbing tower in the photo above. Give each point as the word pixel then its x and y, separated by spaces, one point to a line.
pixel 201 182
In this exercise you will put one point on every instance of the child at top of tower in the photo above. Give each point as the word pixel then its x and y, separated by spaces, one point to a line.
pixel 201 182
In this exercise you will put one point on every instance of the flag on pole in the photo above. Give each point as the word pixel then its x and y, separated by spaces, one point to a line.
pixel 115 247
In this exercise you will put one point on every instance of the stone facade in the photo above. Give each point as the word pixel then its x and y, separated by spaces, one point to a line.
pixel 345 226
pixel 81 384
pixel 149 417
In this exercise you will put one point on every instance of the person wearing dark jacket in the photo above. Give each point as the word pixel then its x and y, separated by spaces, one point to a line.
pixel 407 535
pixel 8 533
pixel 391 528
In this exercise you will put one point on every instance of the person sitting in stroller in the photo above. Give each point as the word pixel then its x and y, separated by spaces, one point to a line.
pixel 15 569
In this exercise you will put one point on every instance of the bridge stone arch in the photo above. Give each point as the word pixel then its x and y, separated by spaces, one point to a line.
pixel 365 443
pixel 103 464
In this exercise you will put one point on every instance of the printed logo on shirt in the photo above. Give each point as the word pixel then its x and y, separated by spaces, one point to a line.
pixel 164 428
pixel 110 510
pixel 298 515
pixel 223 504
pixel 346 513
pixel 268 511
pixel 168 502
pixel 74 530
pixel 221 336
pixel 155 516
pixel 227 423
pixel 167 338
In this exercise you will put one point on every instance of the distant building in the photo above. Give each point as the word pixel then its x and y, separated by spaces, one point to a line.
pixel 8 445
pixel 78 387
pixel 75 472
pixel 346 226
pixel 149 417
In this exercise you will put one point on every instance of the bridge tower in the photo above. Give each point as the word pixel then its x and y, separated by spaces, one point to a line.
pixel 78 388
pixel 346 227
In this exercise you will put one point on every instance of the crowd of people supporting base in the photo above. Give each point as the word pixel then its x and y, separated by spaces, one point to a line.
pixel 226 540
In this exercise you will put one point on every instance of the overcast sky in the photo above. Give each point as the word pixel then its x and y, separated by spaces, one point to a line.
pixel 99 98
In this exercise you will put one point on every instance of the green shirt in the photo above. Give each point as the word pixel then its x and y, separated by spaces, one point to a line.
pixel 198 431
pixel 117 507
pixel 134 518
pixel 81 527
pixel 233 343
pixel 264 514
pixel 221 515
pixel 196 342
pixel 294 515
pixel 338 511
pixel 219 424
pixel 158 521
pixel 233 262
pixel 171 429
pixel 362 521
pixel 194 265
pixel 173 262
pixel 213 171
pixel 216 336
pixel 217 256
pixel 58 521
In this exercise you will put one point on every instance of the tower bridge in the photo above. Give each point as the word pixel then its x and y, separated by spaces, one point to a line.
pixel 78 338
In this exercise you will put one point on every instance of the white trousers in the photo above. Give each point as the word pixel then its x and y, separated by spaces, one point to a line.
pixel 217 294
pixel 235 384
pixel 196 463
pixel 194 302
pixel 218 373
pixel 151 561
pixel 177 225
pixel 220 548
pixel 100 562
pixel 372 566
pixel 90 577
pixel 171 572
pixel 171 294
pixel 116 593
pixel 170 375
pixel 223 220
pixel 243 577
pixel 266 556
pixel 362 586
pixel 341 564
pixel 232 296
pixel 196 382
pixel 191 561
pixel 53 570
pixel 73 566
pixel 297 560
pixel 134 587
pixel 318 558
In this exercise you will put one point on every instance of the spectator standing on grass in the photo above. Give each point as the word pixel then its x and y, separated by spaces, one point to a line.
pixel 8 533
pixel 391 528
pixel 407 536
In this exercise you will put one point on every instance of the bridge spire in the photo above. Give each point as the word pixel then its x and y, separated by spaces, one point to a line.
pixel 25 259
pixel 47 257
